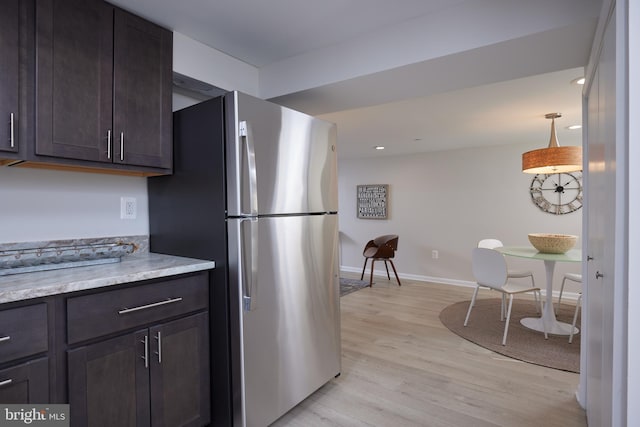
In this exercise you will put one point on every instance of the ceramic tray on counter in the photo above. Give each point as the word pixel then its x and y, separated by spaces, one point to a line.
pixel 23 260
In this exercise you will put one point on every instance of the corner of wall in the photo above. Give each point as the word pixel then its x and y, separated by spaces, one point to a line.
pixel 195 59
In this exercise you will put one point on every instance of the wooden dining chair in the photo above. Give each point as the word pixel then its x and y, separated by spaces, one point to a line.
pixel 382 248
pixel 490 271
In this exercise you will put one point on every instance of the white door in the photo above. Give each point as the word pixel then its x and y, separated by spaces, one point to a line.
pixel 601 232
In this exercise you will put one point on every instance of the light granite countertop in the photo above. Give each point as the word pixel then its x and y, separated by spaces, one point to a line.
pixel 131 268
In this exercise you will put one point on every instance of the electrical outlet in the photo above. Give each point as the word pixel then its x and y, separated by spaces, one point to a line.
pixel 128 208
pixel 434 254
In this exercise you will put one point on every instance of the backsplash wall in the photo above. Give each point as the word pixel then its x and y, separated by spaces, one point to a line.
pixel 39 205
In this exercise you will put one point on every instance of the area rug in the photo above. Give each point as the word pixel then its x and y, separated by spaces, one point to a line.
pixel 485 329
pixel 351 285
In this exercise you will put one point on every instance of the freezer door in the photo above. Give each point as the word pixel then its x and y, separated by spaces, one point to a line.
pixel 289 312
pixel 279 161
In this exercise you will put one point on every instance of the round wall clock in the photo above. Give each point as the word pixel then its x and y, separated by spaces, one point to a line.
pixel 557 193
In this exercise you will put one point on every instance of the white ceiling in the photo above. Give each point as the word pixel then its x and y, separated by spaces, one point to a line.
pixel 487 94
pixel 494 114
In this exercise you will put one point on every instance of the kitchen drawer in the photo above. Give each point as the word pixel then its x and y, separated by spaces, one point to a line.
pixel 26 382
pixel 107 312
pixel 23 332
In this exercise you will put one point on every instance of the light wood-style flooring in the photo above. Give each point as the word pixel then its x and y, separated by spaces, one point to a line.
pixel 401 367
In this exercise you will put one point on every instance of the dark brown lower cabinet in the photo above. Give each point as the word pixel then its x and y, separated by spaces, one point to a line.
pixel 108 383
pixel 180 372
pixel 156 376
pixel 25 383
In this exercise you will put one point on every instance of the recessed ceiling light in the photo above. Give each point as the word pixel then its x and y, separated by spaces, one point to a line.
pixel 574 127
pixel 379 147
pixel 578 81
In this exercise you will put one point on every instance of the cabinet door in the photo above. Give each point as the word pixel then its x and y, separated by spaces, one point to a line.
pixel 25 383
pixel 74 79
pixel 180 372
pixel 9 73
pixel 109 382
pixel 142 66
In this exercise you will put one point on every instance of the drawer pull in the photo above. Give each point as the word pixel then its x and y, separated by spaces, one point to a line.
pixel 6 382
pixel 5 338
pixel 144 307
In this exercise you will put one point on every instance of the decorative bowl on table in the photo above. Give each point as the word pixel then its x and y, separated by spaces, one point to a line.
pixel 552 243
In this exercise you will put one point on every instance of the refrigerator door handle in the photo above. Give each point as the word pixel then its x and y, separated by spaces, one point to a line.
pixel 250 150
pixel 249 262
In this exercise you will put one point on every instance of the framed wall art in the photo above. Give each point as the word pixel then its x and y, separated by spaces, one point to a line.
pixel 372 201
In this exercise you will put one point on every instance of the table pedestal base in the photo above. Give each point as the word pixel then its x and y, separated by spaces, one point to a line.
pixel 554 327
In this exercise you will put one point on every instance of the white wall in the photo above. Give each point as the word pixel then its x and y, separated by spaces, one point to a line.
pixel 447 201
pixel 38 205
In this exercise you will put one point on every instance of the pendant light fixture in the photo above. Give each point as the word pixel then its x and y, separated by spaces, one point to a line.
pixel 554 158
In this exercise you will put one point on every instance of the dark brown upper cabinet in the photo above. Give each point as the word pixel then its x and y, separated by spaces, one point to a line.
pixel 9 77
pixel 103 87
pixel 10 82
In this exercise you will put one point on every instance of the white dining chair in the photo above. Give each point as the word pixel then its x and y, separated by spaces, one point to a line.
pixel 578 279
pixel 568 276
pixel 511 273
pixel 575 317
pixel 490 270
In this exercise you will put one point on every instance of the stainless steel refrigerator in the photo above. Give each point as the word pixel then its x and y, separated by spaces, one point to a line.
pixel 255 189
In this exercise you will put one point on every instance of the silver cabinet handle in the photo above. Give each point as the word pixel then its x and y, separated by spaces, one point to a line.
pixel 121 146
pixel 154 304
pixel 109 144
pixel 145 357
pixel 159 352
pixel 589 258
pixel 5 338
pixel 6 382
pixel 599 275
pixel 12 139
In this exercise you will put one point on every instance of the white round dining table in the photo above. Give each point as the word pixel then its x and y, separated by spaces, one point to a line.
pixel 547 322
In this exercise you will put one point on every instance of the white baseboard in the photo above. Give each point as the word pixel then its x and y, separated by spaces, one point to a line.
pixel 416 277
pixel 572 296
